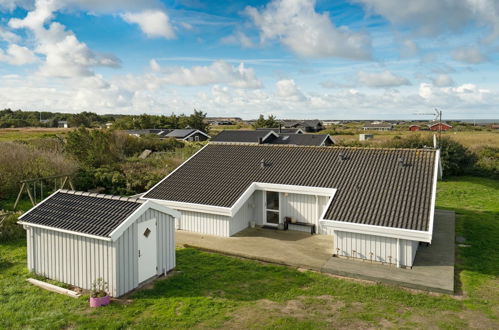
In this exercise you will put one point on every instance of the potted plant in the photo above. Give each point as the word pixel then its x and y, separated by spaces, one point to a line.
pixel 98 295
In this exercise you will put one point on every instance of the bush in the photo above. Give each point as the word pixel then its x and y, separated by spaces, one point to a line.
pixel 9 229
pixel 456 158
pixel 487 162
pixel 20 162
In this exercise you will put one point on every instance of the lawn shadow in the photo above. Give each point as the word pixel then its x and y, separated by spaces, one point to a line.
pixel 201 274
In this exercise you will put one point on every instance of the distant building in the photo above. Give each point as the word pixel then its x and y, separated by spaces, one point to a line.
pixel 272 137
pixel 365 137
pixel 282 130
pixel 378 126
pixel 62 124
pixel 414 128
pixel 307 125
pixel 186 134
pixel 440 126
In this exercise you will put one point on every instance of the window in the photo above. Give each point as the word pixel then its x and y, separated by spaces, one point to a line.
pixel 196 138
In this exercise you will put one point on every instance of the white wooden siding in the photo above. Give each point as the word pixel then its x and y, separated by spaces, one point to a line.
pixel 211 224
pixel 127 247
pixel 383 249
pixel 242 218
pixel 71 259
pixel 79 260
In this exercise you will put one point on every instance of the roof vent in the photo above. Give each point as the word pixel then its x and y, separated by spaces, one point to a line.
pixel 342 156
pixel 262 163
pixel 402 162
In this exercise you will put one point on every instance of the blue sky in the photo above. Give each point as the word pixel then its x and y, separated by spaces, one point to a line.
pixel 291 58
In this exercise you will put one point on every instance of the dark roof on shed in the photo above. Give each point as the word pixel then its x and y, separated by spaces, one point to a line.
pixel 281 130
pixel 383 187
pixel 180 133
pixel 240 136
pixel 93 214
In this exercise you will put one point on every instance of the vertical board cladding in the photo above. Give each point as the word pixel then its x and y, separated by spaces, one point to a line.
pixel 305 208
pixel 258 209
pixel 71 259
pixel 242 218
pixel 211 224
pixel 376 248
pixel 127 250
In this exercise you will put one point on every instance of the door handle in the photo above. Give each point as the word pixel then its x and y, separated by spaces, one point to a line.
pixel 139 253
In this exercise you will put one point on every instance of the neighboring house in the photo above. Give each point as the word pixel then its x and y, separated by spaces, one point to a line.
pixel 306 125
pixel 188 135
pixel 76 238
pixel 378 204
pixel 378 127
pixel 268 136
pixel 283 130
pixel 438 127
pixel 366 137
pixel 305 139
pixel 155 131
pixel 62 124
pixel 414 128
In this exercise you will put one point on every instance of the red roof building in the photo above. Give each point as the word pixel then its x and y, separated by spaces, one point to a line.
pixel 440 126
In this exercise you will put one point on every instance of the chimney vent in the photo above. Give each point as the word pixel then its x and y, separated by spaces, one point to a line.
pixel 342 156
pixel 260 140
pixel 262 163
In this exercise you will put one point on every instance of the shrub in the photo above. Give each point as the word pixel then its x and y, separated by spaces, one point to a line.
pixel 20 162
pixel 9 229
pixel 456 158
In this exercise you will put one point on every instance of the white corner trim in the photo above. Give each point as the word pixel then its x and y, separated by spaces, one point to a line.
pixel 37 205
pixel 196 131
pixel 193 207
pixel 118 231
pixel 27 224
pixel 269 134
pixel 412 235
pixel 171 173
pixel 434 193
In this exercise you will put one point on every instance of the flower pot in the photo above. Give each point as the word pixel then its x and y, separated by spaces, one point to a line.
pixel 99 301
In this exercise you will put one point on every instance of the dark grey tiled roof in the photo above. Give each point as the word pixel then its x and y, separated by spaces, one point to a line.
pixel 240 136
pixel 94 214
pixel 180 133
pixel 384 187
pixel 157 131
pixel 280 130
pixel 301 139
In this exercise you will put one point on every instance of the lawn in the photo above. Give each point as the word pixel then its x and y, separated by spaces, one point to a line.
pixel 211 290
pixel 12 134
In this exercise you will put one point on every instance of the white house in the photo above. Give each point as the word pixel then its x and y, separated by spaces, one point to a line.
pixel 76 238
pixel 377 203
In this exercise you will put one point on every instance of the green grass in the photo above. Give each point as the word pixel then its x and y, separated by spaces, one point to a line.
pixel 215 291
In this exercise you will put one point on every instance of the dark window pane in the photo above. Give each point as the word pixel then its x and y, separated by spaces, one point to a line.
pixel 273 217
pixel 272 200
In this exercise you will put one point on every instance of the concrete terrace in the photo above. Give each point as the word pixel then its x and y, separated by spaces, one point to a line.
pixel 433 268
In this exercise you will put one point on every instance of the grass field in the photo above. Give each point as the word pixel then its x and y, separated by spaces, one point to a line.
pixel 471 139
pixel 211 290
pixel 11 134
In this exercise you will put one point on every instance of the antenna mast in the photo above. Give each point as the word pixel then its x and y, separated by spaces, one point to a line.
pixel 438 116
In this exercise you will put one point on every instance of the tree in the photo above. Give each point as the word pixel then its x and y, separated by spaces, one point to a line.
pixel 197 121
pixel 270 122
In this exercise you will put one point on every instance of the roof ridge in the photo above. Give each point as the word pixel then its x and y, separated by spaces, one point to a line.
pixel 310 147
pixel 114 197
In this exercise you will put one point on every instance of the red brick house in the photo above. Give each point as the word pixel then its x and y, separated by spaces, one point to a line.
pixel 414 128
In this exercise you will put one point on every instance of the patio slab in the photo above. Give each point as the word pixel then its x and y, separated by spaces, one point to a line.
pixel 433 268
pixel 290 248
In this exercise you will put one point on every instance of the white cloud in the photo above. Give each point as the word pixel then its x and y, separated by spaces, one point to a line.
pixel 443 80
pixel 297 25
pixel 432 17
pixel 288 91
pixel 219 72
pixel 17 55
pixel 238 38
pixel 65 56
pixel 8 36
pixel 470 55
pixel 154 23
pixel 383 79
pixel 409 48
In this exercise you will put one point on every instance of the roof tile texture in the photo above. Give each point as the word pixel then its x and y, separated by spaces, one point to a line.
pixel 382 187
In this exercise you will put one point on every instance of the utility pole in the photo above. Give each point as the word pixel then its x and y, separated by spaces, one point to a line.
pixel 438 115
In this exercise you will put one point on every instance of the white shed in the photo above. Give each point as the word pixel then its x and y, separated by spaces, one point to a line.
pixel 77 237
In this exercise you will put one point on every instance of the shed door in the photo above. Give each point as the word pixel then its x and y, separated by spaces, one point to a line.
pixel 147 249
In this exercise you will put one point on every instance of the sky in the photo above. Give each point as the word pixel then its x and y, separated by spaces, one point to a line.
pixel 356 59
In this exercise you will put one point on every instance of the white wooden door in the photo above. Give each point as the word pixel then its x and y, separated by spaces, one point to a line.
pixel 147 249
